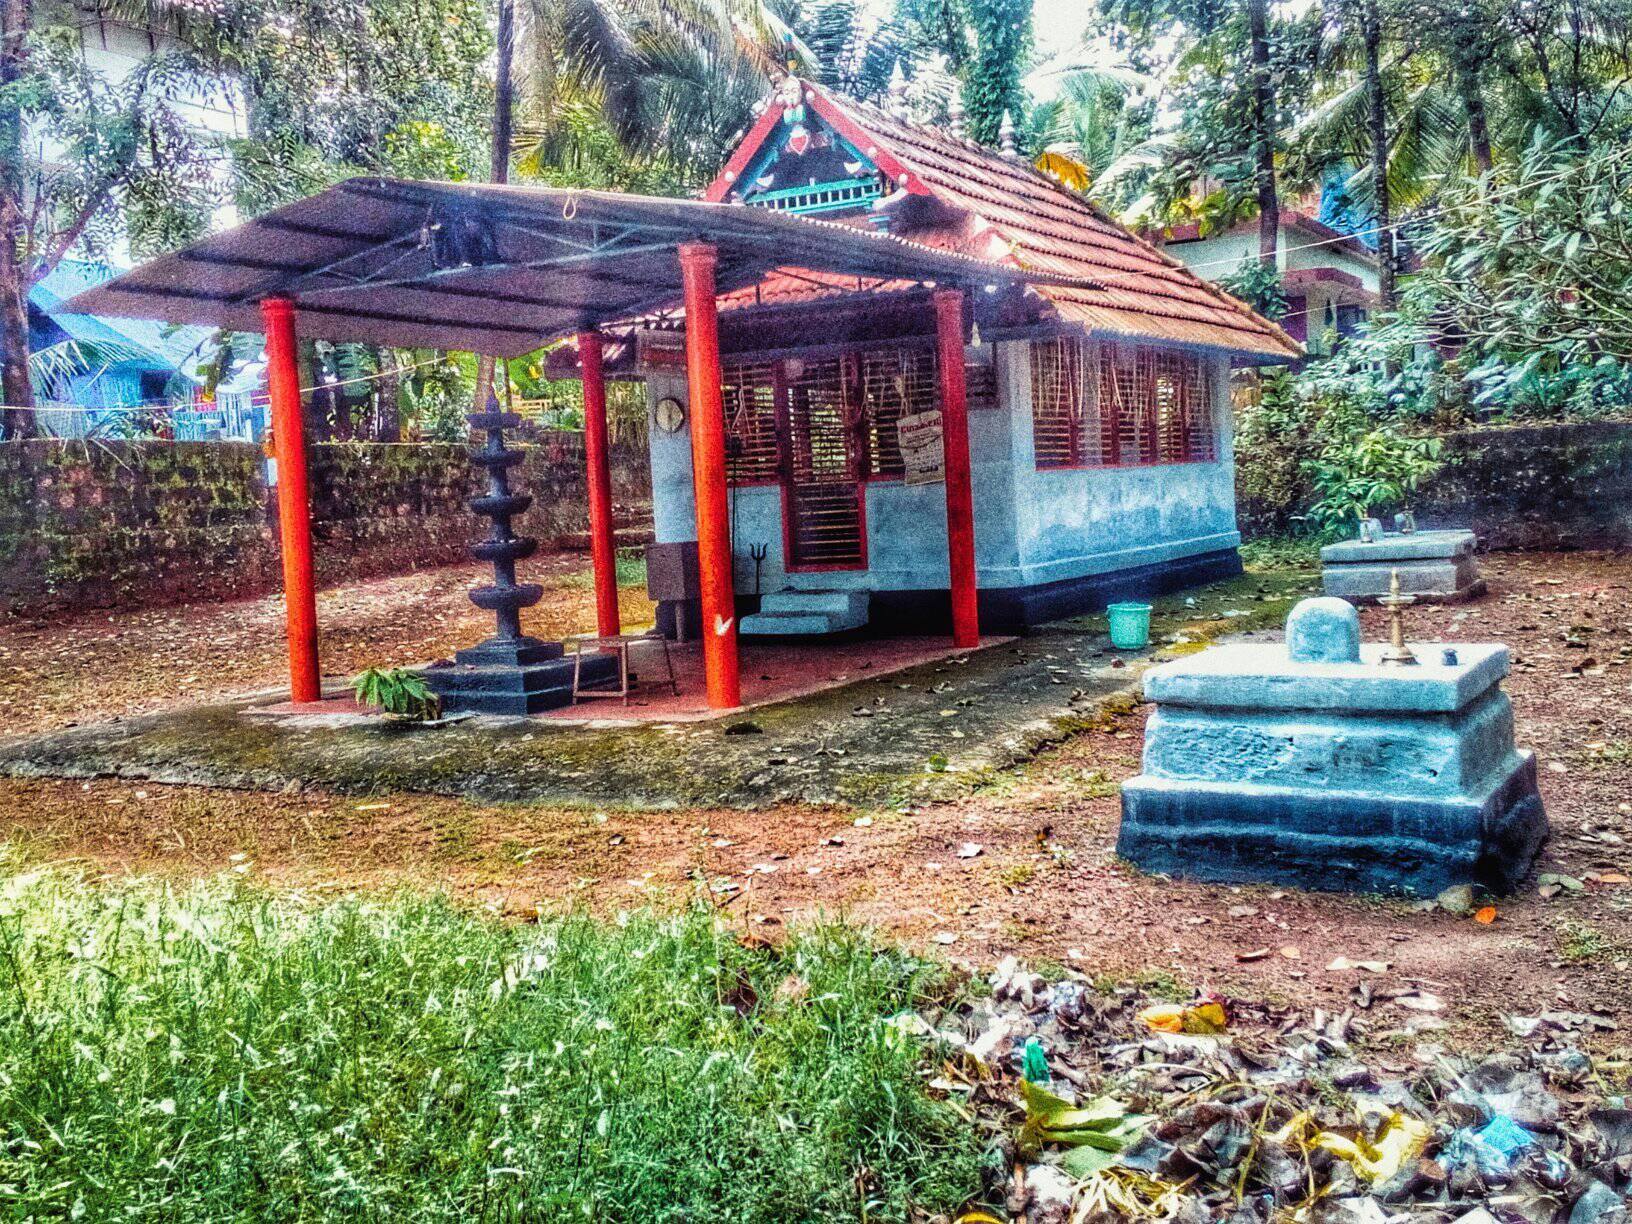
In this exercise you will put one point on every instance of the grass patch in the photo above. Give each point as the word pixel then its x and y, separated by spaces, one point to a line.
pixel 221 1053
pixel 1280 553
pixel 1579 943
pixel 631 570
pixel 1157 983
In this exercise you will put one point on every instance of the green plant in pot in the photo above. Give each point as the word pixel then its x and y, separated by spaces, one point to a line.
pixel 398 692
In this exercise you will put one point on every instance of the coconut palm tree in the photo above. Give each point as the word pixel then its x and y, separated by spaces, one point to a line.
pixel 671 80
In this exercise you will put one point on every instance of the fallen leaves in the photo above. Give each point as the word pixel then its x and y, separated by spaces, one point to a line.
pixel 1421 1001
pixel 1343 964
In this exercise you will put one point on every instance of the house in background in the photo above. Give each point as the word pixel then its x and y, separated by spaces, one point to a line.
pixel 99 377
pixel 1099 412
pixel 113 45
pixel 93 374
pixel 1329 275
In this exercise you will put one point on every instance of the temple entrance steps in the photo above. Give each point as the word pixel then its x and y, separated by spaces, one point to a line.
pixel 807 613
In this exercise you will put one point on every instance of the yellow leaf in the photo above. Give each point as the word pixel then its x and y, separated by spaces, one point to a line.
pixel 1164 1018
pixel 1400 1141
pixel 1207 1016
pixel 1071 172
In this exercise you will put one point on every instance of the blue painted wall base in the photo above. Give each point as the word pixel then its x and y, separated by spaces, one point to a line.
pixel 1332 842
pixel 1006 610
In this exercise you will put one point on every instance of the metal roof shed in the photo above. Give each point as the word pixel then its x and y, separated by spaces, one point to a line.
pixel 497 269
pixel 502 269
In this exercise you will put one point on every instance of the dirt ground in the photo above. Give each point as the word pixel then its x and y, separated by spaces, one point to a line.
pixel 61 672
pixel 1023 864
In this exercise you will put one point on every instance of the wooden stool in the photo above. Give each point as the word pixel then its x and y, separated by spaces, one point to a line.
pixel 620 643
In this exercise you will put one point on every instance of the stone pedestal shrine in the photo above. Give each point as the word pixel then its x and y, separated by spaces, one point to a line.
pixel 1314 764
pixel 1435 566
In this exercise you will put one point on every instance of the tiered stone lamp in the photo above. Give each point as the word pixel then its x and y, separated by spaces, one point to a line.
pixel 1436 566
pixel 510 672
pixel 1322 763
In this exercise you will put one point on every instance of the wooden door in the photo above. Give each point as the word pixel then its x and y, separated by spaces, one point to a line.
pixel 824 501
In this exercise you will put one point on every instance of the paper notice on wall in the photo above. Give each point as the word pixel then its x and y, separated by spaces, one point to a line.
pixel 923 456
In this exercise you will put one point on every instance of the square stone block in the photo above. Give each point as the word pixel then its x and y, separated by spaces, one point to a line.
pixel 1435 566
pixel 1381 842
pixel 1350 775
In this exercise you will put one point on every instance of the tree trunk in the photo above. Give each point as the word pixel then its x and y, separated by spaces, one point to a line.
pixel 388 412
pixel 1371 22
pixel 1466 67
pixel 1263 122
pixel 503 92
pixel 16 393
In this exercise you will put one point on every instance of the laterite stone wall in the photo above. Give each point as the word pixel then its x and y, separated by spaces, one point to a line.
pixel 126 524
pixel 1553 487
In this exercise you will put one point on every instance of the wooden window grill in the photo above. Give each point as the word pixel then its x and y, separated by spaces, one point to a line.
pixel 894 383
pixel 1127 397
pixel 1148 405
pixel 1065 428
pixel 825 495
pixel 1182 393
pixel 749 395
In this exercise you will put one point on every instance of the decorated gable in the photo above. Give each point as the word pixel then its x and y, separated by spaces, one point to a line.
pixel 804 164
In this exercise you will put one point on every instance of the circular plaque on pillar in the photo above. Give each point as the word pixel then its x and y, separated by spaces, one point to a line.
pixel 670 414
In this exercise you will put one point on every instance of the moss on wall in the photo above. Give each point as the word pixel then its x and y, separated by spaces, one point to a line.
pixel 123 524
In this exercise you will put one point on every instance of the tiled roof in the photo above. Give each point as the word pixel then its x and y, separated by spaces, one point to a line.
pixel 1016 211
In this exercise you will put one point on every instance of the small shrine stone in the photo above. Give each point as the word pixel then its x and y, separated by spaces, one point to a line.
pixel 1324 630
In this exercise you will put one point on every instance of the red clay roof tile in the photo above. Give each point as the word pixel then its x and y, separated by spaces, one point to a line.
pixel 1138 290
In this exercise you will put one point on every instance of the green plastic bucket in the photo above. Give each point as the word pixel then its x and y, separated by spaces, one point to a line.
pixel 1130 625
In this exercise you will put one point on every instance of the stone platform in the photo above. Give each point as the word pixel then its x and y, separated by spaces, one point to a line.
pixel 1317 766
pixel 513 677
pixel 1435 566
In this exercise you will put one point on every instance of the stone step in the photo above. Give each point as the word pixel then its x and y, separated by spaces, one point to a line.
pixel 807 613
pixel 849 606
pixel 792 624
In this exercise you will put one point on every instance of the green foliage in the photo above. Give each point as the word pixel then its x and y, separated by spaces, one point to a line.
pixel 220 1054
pixel 1196 166
pixel 991 86
pixel 1274 437
pixel 399 691
pixel 1525 272
pixel 1259 285
pixel 436 394
pixel 1360 473
pixel 1323 458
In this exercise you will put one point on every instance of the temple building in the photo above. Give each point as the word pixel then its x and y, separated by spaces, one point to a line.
pixel 897 382
pixel 1099 414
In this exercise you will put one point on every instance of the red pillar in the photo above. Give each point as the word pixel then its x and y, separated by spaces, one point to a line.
pixel 960 499
pixel 697 261
pixel 294 502
pixel 601 545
